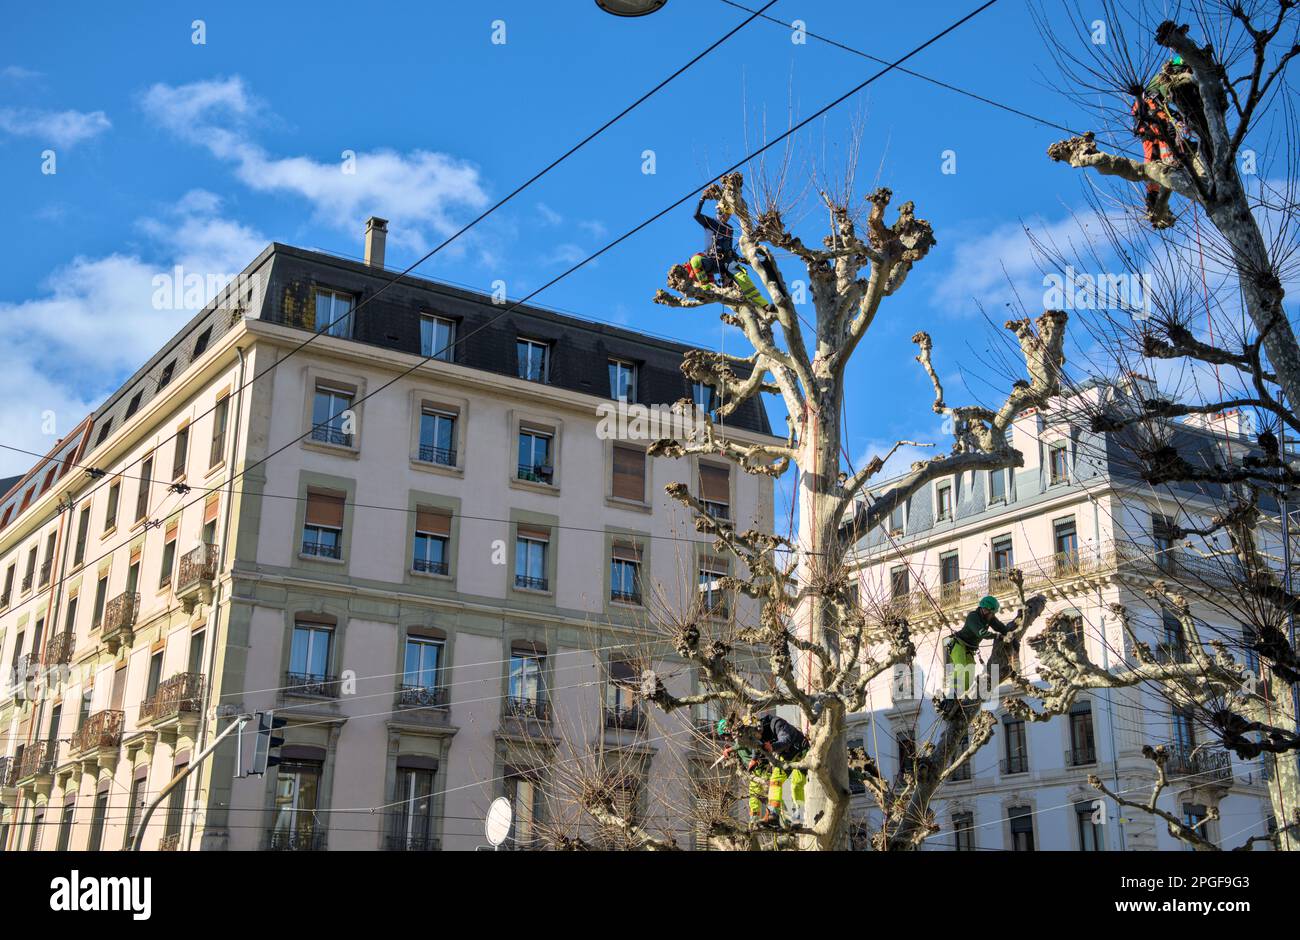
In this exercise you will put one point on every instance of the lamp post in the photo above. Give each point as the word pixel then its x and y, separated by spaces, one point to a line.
pixel 630 7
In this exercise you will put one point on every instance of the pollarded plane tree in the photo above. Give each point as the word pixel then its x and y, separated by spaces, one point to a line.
pixel 1215 243
pixel 821 650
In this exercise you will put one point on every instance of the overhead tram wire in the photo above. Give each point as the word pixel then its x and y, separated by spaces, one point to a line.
pixel 424 360
pixel 475 221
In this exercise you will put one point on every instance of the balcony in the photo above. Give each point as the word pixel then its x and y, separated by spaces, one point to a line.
pixel 1014 765
pixel 422 697
pixel 531 584
pixel 59 650
pixel 407 833
pixel 626 597
pixel 119 620
pixel 1170 654
pixel 536 474
pixel 27 582
pixel 178 698
pixel 1080 756
pixel 37 764
pixel 443 456
pixel 624 718
pixel 311 684
pixel 534 708
pixel 8 778
pixel 170 843
pixel 198 568
pixel 1210 767
pixel 26 668
pixel 428 566
pixel 4 599
pixel 303 840
pixel 321 549
pixel 100 731
pixel 719 511
pixel 44 578
pixel 325 434
pixel 412 844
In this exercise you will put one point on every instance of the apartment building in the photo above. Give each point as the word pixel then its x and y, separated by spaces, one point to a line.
pixel 409 538
pixel 1087 533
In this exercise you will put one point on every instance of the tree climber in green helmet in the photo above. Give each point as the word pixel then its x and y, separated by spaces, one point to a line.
pixel 754 764
pixel 719 260
pixel 785 744
pixel 962 648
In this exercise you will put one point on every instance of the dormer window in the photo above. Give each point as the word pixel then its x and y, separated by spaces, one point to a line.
pixel 622 380
pixel 135 403
pixel 334 312
pixel 534 360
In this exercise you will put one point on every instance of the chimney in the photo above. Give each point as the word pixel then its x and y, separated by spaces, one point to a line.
pixel 376 237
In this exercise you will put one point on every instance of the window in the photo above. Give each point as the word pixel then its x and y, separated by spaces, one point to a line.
pixel 527 693
pixel 181 452
pixel 142 497
pixel 530 558
pixel 620 695
pixel 166 375
pixel 525 799
pixel 423 659
pixel 1162 537
pixel 155 674
pixel 712 597
pixel 101 592
pixel 949 577
pixel 962 770
pixel 998 487
pixel 334 313
pixel 622 380
pixel 903 684
pixel 533 360
pixel 31 570
pixel 309 655
pixel 297 792
pixel 625 574
pixel 1196 816
pixel 134 406
pixel 1083 746
pixel 330 413
pixel 322 531
pixel 896 519
pixel 1058 464
pixel 168 556
pixel 704 395
pixel 1184 733
pixel 9 585
pixel 715 490
pixel 628 473
pixel 110 514
pixel 175 809
pixel 1022 828
pixel 438 437
pixel 906 755
pixel 135 810
pixel 47 564
pixel 1066 539
pixel 104 432
pixel 432 532
pixel 1001 560
pixel 201 344
pixel 1092 835
pixel 535 456
pixel 96 840
pixel 133 572
pixel 38 823
pixel 943 496
pixel 220 413
pixel 1017 750
pixel 195 662
pixel 83 530
pixel 856 786
pixel 900 582
pixel 413 817
pixel 963 832
pixel 438 338
pixel 1173 644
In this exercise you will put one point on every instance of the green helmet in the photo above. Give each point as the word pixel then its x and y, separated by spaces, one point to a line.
pixel 721 727
pixel 1177 60
pixel 989 602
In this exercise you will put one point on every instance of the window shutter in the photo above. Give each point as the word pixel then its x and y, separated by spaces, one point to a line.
pixel 170 533
pixel 715 483
pixel 629 473
pixel 210 508
pixel 627 551
pixel 528 647
pixel 433 521
pixel 534 532
pixel 135 556
pixel 325 509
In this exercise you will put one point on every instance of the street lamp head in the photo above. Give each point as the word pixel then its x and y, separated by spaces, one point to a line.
pixel 630 7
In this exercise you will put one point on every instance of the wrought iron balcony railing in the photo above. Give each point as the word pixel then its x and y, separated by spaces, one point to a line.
pixel 624 717
pixel 535 707
pixel 444 456
pixel 1207 765
pixel 421 696
pixel 59 650
pixel 120 614
pixel 38 758
pixel 295 840
pixel 535 474
pixel 1015 765
pixel 181 694
pixel 45 573
pixel 330 435
pixel 306 683
pixel 8 771
pixel 198 566
pixel 103 729
pixel 531 584
pixel 626 597
pixel 170 843
pixel 410 833
pixel 27 582
pixel 1080 756
pixel 321 549
pixel 4 599
pixel 429 566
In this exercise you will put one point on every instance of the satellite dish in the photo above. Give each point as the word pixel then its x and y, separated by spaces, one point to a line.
pixel 630 7
pixel 499 817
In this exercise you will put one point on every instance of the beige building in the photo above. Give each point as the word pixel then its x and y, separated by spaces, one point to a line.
pixel 411 538
pixel 1087 533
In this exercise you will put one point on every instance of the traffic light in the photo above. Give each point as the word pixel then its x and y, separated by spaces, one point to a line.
pixel 267 744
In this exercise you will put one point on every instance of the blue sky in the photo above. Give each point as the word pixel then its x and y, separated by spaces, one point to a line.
pixel 170 152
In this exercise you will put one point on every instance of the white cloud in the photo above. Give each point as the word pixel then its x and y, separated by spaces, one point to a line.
pixel 419 192
pixel 549 215
pixel 58 128
pixel 93 322
pixel 17 73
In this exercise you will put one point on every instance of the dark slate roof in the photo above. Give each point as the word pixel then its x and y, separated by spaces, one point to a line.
pixel 581 348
